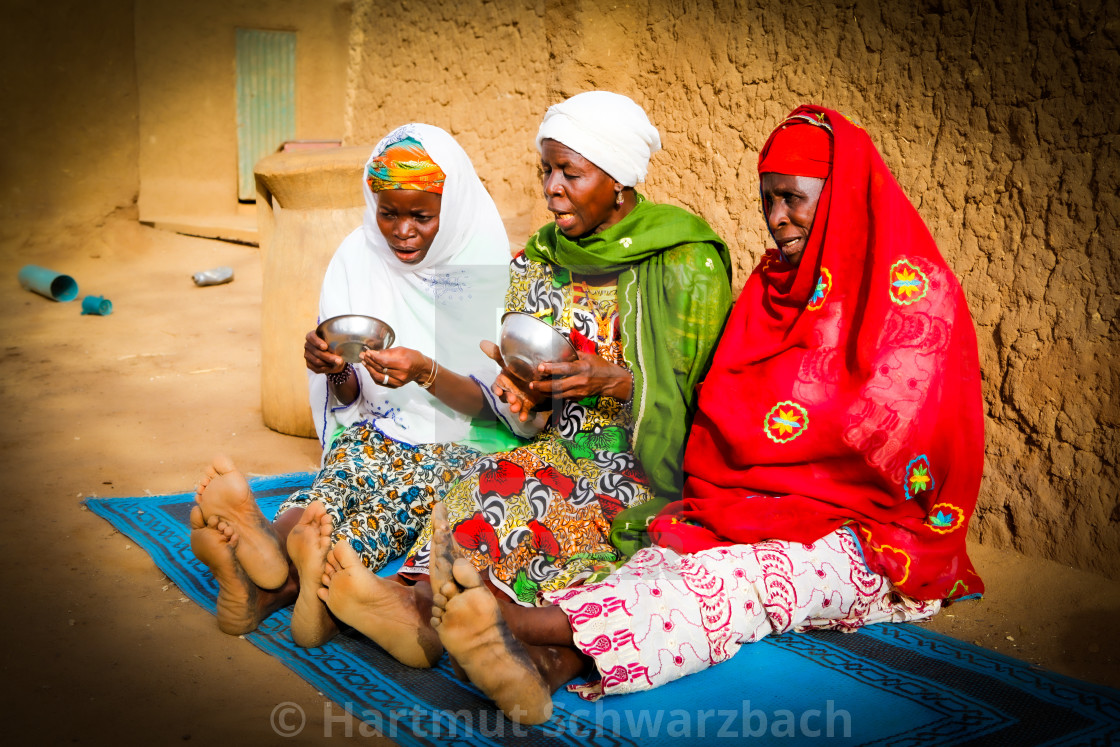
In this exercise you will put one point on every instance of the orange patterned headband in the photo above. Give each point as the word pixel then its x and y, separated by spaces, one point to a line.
pixel 405 165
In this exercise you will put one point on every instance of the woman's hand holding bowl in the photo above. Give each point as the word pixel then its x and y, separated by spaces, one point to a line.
pixel 508 388
pixel 588 376
pixel 317 357
pixel 395 367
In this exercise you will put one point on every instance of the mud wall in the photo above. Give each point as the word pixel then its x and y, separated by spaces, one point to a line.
pixel 68 135
pixel 478 69
pixel 998 118
pixel 186 73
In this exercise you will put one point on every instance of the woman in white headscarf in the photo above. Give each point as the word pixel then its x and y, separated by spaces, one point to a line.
pixel 430 260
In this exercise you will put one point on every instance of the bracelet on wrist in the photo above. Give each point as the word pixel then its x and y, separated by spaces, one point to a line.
pixel 431 377
pixel 340 378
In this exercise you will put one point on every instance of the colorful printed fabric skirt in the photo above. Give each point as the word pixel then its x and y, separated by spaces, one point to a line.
pixel 379 492
pixel 538 518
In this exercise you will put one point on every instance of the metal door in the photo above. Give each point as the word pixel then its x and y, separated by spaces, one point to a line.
pixel 266 99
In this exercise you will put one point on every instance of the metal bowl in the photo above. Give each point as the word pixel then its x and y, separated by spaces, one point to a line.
pixel 526 342
pixel 348 335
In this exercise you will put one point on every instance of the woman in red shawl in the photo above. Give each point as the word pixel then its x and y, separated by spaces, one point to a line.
pixel 832 467
pixel 845 392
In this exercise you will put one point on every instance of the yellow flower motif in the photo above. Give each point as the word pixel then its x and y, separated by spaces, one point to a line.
pixel 786 421
pixel 907 282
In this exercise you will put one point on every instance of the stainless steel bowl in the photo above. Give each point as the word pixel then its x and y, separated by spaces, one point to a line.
pixel 526 342
pixel 348 335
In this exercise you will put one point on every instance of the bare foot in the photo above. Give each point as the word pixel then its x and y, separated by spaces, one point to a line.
pixel 440 562
pixel 308 544
pixel 223 492
pixel 238 603
pixel 386 612
pixel 470 625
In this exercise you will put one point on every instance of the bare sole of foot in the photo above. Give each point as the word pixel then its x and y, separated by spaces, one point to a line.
pixel 308 545
pixel 237 595
pixel 440 563
pixel 383 611
pixel 225 493
pixel 469 622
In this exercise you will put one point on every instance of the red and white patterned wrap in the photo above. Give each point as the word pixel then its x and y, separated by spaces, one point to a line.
pixel 664 615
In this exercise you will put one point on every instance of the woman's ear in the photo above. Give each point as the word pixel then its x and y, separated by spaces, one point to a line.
pixel 617 194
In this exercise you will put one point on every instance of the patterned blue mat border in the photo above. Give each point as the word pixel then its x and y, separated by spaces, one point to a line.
pixel 886 685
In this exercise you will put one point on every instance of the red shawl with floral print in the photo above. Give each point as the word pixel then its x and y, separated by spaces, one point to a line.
pixel 845 392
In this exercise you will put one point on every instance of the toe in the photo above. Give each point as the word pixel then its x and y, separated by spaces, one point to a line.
pixel 439 515
pixel 346 555
pixel 196 520
pixel 465 574
pixel 222 464
pixel 314 511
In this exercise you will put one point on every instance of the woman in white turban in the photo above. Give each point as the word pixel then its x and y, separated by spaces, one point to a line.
pixel 642 291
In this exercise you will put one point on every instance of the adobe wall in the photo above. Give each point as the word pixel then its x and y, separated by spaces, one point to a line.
pixel 68 135
pixel 993 116
pixel 186 72
pixel 84 79
pixel 477 69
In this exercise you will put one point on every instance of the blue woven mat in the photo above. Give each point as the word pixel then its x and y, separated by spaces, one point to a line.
pixel 886 685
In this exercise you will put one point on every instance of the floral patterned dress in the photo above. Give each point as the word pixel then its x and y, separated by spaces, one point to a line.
pixel 379 492
pixel 537 518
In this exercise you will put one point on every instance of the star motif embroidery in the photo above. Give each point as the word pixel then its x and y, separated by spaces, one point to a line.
pixel 908 284
pixel 786 421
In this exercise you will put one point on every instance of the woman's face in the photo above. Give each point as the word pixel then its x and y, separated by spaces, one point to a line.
pixel 790 204
pixel 409 221
pixel 580 194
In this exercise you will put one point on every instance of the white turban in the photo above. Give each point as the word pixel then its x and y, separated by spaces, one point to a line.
pixel 608 129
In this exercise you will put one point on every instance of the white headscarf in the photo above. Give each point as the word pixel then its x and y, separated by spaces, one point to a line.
pixel 442 306
pixel 606 128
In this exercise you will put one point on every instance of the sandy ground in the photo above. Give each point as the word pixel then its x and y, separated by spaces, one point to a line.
pixel 100 649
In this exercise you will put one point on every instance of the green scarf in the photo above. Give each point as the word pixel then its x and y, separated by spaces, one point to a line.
pixel 674 294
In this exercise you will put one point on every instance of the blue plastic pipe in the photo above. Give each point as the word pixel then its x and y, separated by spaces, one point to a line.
pixel 53 285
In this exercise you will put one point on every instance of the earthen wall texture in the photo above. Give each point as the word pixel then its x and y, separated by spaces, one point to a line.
pixel 999 120
pixel 186 70
pixel 68 134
